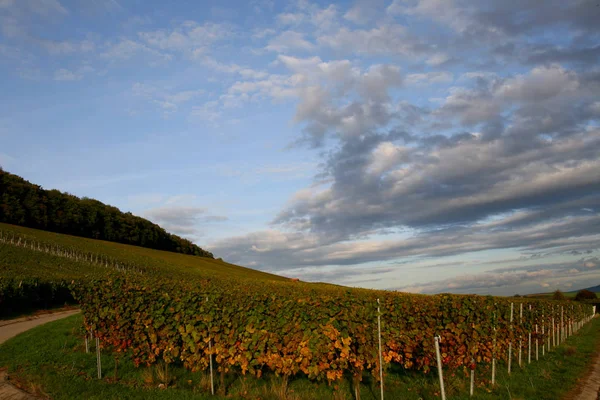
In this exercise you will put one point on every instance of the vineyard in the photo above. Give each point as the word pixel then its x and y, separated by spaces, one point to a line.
pixel 208 321
pixel 323 334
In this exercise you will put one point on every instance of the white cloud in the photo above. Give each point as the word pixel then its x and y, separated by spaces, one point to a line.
pixel 429 78
pixel 169 100
pixel 126 49
pixel 187 37
pixel 289 41
pixel 541 83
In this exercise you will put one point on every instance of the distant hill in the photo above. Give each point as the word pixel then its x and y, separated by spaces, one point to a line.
pixel 570 294
pixel 595 289
pixel 26 204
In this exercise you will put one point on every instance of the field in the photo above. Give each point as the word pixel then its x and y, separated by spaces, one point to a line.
pixel 166 311
pixel 61 369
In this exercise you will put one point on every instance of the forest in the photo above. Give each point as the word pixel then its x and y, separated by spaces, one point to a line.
pixel 26 204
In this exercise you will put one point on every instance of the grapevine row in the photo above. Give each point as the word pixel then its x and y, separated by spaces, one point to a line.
pixel 297 329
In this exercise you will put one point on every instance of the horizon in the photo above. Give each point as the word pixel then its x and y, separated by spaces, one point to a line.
pixel 424 146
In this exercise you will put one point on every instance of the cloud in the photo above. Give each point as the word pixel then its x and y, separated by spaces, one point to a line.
pixel 244 72
pixel 386 39
pixel 562 275
pixel 67 47
pixel 364 11
pixel 190 37
pixel 167 99
pixel 429 78
pixel 289 41
pixel 182 220
pixel 126 49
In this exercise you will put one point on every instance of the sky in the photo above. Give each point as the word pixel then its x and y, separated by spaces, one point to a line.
pixel 415 145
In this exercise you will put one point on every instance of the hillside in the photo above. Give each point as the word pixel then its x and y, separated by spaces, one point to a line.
pixel 595 289
pixel 37 267
pixel 154 261
pixel 569 294
pixel 26 204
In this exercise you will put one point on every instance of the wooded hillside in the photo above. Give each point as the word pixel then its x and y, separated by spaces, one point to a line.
pixel 26 204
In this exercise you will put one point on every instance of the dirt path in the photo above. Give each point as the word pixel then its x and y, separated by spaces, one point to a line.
pixel 11 328
pixel 589 387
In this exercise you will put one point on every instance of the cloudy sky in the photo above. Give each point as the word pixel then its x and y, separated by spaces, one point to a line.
pixel 417 145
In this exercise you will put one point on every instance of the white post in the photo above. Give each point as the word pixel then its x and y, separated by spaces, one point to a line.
pixel 537 350
pixel 494 358
pixel 98 359
pixel 543 335
pixel 472 377
pixel 529 345
pixel 439 365
pixel 562 324
pixel 553 330
pixel 510 342
pixel 380 355
pixel 521 328
pixel 212 384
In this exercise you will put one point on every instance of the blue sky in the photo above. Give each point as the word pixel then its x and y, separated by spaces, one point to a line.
pixel 418 145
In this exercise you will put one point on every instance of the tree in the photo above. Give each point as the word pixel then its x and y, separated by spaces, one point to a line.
pixel 585 295
pixel 26 204
pixel 558 295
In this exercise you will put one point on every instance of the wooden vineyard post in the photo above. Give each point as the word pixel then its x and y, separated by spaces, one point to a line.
pixel 562 324
pixel 543 338
pixel 553 330
pixel 510 342
pixel 472 377
pixel 494 350
pixel 212 383
pixel 529 345
pixel 572 321
pixel 537 350
pixel 439 365
pixel 380 355
pixel 521 329
pixel 98 359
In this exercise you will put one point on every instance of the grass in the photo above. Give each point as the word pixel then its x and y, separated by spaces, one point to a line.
pixel 160 261
pixel 51 361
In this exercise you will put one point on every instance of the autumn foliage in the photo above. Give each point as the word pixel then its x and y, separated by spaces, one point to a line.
pixel 292 329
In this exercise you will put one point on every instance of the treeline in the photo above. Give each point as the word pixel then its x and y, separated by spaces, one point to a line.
pixel 23 203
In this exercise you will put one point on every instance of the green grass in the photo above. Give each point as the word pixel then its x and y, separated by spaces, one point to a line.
pixel 156 260
pixel 51 360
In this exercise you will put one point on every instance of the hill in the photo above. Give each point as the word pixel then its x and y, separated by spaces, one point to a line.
pixel 595 289
pixel 569 295
pixel 26 204
pixel 37 267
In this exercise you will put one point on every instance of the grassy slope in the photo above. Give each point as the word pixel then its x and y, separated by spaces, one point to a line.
pixel 162 260
pixel 51 360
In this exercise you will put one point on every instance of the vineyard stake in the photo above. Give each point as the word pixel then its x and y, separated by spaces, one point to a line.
pixel 439 365
pixel 562 324
pixel 380 355
pixel 212 385
pixel 520 334
pixel 543 338
pixel 529 346
pixel 553 330
pixel 494 358
pixel 87 347
pixel 510 342
pixel 472 376
pixel 98 360
pixel 537 350
pixel 529 350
